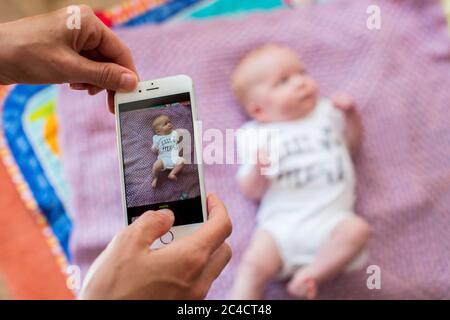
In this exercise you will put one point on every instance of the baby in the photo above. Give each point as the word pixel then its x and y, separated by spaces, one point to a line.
pixel 165 143
pixel 306 228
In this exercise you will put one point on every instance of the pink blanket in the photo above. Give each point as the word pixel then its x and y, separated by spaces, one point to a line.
pixel 399 76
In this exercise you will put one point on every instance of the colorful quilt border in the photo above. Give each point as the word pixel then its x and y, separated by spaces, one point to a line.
pixel 13 169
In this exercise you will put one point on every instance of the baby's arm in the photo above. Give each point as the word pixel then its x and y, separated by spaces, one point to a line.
pixel 353 126
pixel 253 185
pixel 179 136
pixel 155 145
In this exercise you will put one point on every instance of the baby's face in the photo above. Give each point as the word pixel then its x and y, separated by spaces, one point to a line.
pixel 162 125
pixel 276 86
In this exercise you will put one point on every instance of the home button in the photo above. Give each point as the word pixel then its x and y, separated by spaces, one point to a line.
pixel 167 238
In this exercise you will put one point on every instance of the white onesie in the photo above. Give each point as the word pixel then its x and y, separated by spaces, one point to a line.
pixel 312 190
pixel 168 150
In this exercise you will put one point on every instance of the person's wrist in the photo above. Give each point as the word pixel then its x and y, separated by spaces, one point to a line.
pixel 9 53
pixel 4 55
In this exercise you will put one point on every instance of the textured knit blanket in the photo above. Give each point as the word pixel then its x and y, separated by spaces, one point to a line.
pixel 399 76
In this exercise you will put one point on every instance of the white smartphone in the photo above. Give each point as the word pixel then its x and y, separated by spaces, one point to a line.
pixel 160 154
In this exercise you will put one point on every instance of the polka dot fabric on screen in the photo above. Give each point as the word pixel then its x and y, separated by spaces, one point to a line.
pixel 137 133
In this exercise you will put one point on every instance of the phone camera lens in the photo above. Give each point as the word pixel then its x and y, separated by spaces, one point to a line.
pixel 140 91
pixel 152 83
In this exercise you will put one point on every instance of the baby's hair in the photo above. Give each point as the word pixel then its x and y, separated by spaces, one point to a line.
pixel 156 119
pixel 236 84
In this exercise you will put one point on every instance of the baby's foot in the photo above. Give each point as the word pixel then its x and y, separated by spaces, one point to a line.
pixel 171 176
pixel 154 182
pixel 303 285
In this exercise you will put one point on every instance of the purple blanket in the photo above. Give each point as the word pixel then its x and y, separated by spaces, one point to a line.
pixel 399 76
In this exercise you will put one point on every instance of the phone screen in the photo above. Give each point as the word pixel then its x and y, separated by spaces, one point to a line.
pixel 158 155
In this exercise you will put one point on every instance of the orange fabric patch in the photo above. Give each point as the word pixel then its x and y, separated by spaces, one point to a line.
pixel 27 265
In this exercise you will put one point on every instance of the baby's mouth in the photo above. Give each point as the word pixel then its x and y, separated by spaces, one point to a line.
pixel 306 96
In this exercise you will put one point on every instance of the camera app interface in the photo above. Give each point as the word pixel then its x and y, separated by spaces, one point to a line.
pixel 158 153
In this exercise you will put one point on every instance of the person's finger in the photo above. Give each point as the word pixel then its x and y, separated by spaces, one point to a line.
pixel 105 75
pixel 217 262
pixel 216 229
pixel 94 55
pixel 114 50
pixel 93 90
pixel 100 43
pixel 152 224
pixel 79 86
pixel 110 100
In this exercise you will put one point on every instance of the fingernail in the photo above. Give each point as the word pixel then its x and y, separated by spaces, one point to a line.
pixel 127 81
pixel 77 86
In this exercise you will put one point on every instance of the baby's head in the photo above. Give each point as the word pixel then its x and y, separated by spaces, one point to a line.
pixel 162 125
pixel 272 85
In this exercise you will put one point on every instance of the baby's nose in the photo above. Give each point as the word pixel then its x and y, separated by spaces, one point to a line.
pixel 300 81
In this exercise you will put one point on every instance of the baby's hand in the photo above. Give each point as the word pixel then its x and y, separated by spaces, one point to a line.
pixel 262 160
pixel 254 184
pixel 343 102
pixel 353 129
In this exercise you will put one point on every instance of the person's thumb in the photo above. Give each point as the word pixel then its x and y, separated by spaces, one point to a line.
pixel 106 75
pixel 153 224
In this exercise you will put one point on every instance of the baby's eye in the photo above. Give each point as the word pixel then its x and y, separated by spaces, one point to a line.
pixel 283 80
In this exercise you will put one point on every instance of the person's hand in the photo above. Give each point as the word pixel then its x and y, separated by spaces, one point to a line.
pixel 185 269
pixel 42 49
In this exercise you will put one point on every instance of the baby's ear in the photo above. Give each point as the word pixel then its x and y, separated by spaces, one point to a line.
pixel 254 110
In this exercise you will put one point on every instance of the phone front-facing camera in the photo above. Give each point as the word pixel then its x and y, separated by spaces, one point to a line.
pixel 140 91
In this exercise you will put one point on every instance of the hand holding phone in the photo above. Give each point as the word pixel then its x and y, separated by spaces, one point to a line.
pixel 160 154
pixel 184 270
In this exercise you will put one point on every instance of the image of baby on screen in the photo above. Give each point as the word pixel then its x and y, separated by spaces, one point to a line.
pixel 166 145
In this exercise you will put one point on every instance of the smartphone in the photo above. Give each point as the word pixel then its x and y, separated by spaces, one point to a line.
pixel 160 154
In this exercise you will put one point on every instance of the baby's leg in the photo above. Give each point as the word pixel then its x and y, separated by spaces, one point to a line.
pixel 156 170
pixel 347 240
pixel 260 263
pixel 178 166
